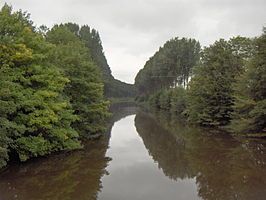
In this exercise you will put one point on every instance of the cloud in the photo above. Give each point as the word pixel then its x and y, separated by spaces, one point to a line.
pixel 132 31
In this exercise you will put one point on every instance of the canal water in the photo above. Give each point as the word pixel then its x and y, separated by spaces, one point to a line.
pixel 145 156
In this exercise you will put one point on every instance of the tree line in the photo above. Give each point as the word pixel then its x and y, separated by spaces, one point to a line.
pixel 227 86
pixel 169 66
pixel 113 88
pixel 53 83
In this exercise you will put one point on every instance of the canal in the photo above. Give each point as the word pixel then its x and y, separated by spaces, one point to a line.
pixel 145 156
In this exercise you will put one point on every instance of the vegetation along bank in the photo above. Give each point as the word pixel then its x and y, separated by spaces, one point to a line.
pixel 220 86
pixel 54 86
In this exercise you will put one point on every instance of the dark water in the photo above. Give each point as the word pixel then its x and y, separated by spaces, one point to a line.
pixel 147 157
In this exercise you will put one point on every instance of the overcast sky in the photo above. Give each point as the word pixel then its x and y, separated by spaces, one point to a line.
pixel 132 30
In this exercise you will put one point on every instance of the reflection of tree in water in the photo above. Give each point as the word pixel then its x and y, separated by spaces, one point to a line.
pixel 73 175
pixel 165 149
pixel 66 176
pixel 225 168
pixel 235 170
pixel 121 110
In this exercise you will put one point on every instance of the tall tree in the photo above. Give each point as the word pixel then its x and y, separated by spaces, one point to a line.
pixel 33 113
pixel 170 66
pixel 112 86
pixel 85 89
pixel 210 94
pixel 250 109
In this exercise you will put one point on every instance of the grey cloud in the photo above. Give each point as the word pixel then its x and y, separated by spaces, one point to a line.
pixel 134 30
pixel 150 17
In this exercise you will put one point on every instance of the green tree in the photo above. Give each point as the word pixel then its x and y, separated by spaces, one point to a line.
pixel 171 65
pixel 112 87
pixel 250 109
pixel 172 100
pixel 210 94
pixel 165 100
pixel 85 89
pixel 34 115
pixel 178 100
pixel 3 148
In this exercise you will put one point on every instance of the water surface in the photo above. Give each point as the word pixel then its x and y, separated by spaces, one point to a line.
pixel 145 156
pixel 133 172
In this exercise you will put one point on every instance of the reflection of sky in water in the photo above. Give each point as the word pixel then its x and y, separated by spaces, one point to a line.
pixel 133 173
pixel 225 168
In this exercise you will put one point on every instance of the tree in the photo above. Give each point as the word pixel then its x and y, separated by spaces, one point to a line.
pixel 34 114
pixel 170 66
pixel 178 100
pixel 210 93
pixel 250 108
pixel 112 86
pixel 85 89
pixel 3 148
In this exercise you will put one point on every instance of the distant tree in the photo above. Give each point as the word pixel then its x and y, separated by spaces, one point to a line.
pixel 170 66
pixel 171 100
pixel 165 100
pixel 178 101
pixel 92 41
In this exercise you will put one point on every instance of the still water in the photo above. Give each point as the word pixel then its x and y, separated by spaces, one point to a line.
pixel 145 156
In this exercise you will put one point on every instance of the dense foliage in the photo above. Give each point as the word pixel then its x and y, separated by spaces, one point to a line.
pixel 250 91
pixel 210 94
pixel 84 89
pixel 51 93
pixel 171 100
pixel 92 41
pixel 170 66
pixel 227 84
